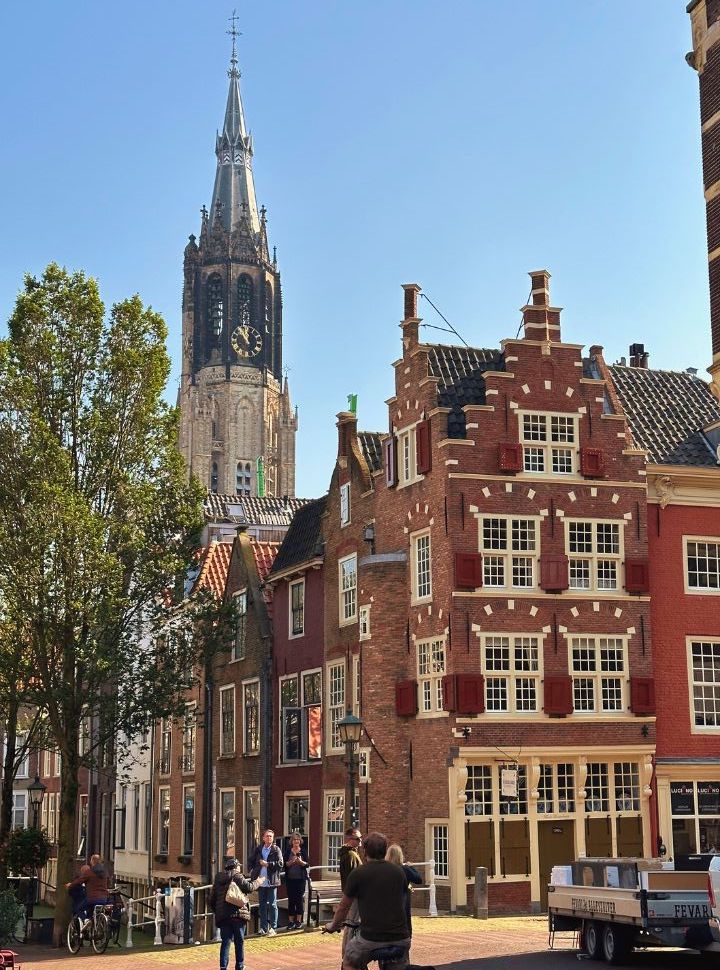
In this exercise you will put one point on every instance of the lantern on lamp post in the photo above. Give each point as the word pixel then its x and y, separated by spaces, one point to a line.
pixel 36 791
pixel 350 729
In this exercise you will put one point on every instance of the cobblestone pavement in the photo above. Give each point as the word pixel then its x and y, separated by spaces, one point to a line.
pixel 447 943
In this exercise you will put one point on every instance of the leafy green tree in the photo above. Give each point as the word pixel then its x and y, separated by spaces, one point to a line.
pixel 97 522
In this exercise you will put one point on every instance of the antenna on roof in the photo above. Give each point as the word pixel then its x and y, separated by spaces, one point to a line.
pixel 449 328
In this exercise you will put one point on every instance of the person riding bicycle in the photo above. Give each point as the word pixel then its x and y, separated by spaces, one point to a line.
pixel 379 888
pixel 94 878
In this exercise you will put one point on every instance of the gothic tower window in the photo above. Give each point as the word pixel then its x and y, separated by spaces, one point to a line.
pixel 242 478
pixel 245 298
pixel 214 478
pixel 268 307
pixel 215 307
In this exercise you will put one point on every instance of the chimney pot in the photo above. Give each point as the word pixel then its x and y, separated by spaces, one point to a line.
pixel 411 300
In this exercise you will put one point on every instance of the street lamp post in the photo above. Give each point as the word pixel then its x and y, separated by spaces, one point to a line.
pixel 350 730
pixel 36 791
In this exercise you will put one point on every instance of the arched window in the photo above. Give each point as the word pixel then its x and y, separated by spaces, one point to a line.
pixel 245 299
pixel 268 307
pixel 214 478
pixel 242 478
pixel 215 307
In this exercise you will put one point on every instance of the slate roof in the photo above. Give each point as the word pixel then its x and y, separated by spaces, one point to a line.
pixel 372 452
pixel 666 411
pixel 250 510
pixel 304 537
pixel 460 370
pixel 214 568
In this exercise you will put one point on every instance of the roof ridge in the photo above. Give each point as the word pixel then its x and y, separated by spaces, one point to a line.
pixel 658 370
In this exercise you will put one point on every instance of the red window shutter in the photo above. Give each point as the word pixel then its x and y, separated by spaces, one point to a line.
pixel 423 447
pixel 510 457
pixel 558 699
pixel 470 694
pixel 642 695
pixel 449 689
pixel 390 454
pixel 468 570
pixel 554 573
pixel 592 462
pixel 637 576
pixel 406 698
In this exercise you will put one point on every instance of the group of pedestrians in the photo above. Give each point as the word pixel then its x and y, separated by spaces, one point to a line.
pixel 375 881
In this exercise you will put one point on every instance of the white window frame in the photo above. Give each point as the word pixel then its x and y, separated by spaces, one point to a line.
pixel 347 591
pixel 595 558
pixel 356 685
pixel 20 794
pixel 435 829
pixel 345 505
pixel 515 679
pixel 511 556
pixel 406 457
pixel 160 808
pixel 421 567
pixel 363 755
pixel 335 672
pixel 250 790
pixel 695 686
pixel 227 738
pixel 364 622
pixel 183 845
pixel 165 747
pixel 556 791
pixel 333 830
pixel 293 634
pixel 599 677
pixel 431 660
pixel 23 768
pixel 287 795
pixel 252 682
pixel 222 844
pixel 700 540
pixel 239 647
pixel 188 731
pixel 539 449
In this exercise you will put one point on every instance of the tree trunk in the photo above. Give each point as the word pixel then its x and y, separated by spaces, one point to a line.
pixel 67 836
pixel 6 799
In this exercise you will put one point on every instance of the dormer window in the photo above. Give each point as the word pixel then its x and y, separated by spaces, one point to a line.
pixel 549 443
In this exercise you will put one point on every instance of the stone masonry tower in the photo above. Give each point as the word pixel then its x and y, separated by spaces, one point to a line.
pixel 237 431
pixel 705 58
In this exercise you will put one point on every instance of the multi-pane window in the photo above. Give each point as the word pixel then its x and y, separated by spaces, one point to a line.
pixel 23 752
pixel 510 549
pixel 163 821
pixel 297 810
pixel 421 570
pixel 348 589
pixel 251 810
pixel 334 827
pixel 627 786
pixel 597 787
pixel 227 720
pixel 336 702
pixel 227 824
pixel 441 850
pixel 251 711
pixel 478 790
pixel 19 809
pixel 188 819
pixel 516 804
pixel 705 682
pixel 165 745
pixel 345 503
pixel 511 665
pixel 136 817
pixel 556 789
pixel 238 650
pixel 598 669
pixel 703 564
pixel 431 669
pixel 549 443
pixel 407 468
pixel 297 608
pixel 364 619
pixel 189 731
pixel 594 552
pixel 290 731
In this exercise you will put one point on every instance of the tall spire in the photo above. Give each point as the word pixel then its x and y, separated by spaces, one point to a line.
pixel 233 198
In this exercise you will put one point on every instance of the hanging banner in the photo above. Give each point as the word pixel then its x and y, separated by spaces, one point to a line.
pixel 509 783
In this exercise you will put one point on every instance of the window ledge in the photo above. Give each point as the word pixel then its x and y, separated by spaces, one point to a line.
pixel 227 756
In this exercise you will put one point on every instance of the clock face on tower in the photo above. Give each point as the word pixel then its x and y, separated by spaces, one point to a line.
pixel 246 341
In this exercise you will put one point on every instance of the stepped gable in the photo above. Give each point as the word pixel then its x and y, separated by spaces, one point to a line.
pixel 303 541
pixel 667 412
pixel 371 449
pixel 459 371
pixel 246 509
pixel 214 568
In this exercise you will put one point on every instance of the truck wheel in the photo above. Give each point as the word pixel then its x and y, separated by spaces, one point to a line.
pixel 591 938
pixel 615 944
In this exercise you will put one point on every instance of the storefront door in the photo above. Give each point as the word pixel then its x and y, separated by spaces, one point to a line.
pixel 556 847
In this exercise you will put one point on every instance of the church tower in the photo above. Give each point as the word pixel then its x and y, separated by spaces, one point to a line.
pixel 237 431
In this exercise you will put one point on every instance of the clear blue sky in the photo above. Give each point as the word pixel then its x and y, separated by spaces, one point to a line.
pixel 456 144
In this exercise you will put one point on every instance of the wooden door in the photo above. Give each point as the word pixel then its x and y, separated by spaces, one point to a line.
pixel 556 847
pixel 514 847
pixel 479 847
pixel 598 837
pixel 629 835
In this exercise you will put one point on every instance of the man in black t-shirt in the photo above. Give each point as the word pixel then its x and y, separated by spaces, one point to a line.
pixel 379 888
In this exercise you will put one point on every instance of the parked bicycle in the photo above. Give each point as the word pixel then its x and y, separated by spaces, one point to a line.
pixel 95 930
pixel 114 911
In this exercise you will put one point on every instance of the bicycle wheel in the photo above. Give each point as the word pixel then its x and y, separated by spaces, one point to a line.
pixel 74 935
pixel 114 930
pixel 100 933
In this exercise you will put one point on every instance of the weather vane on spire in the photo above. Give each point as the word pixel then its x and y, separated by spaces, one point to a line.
pixel 234 33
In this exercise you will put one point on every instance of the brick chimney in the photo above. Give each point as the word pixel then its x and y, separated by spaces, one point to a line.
pixel 540 320
pixel 705 58
pixel 638 356
pixel 347 432
pixel 411 321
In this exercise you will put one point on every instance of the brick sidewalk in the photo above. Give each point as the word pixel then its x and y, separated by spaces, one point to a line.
pixel 439 942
